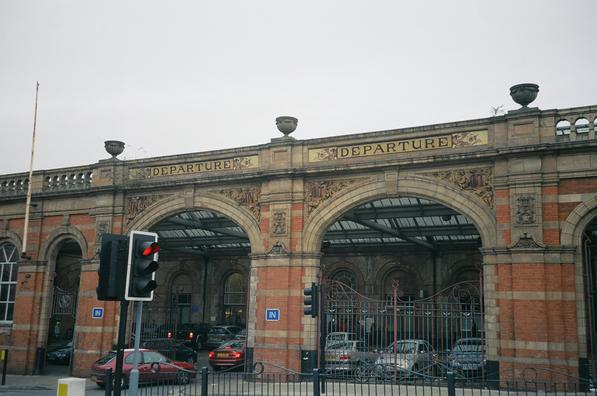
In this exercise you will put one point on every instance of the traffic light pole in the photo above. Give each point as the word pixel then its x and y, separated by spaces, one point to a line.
pixel 124 307
pixel 134 378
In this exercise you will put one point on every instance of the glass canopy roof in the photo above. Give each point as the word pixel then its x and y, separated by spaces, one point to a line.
pixel 388 223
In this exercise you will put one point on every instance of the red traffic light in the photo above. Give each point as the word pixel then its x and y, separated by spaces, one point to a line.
pixel 153 248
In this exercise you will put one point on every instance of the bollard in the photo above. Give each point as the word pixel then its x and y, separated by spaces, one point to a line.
pixel 71 387
pixel 4 358
pixel 316 382
pixel 203 381
pixel 451 384
pixel 109 381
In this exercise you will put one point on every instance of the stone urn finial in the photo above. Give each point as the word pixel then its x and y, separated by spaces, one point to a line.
pixel 524 94
pixel 286 124
pixel 114 147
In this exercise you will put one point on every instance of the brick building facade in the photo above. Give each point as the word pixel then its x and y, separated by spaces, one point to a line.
pixel 517 194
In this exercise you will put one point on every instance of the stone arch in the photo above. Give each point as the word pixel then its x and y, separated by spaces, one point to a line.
pixel 12 237
pixel 571 232
pixel 433 189
pixel 49 252
pixel 576 222
pixel 48 249
pixel 208 201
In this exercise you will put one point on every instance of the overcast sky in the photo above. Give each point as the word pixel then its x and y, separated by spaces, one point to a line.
pixel 174 77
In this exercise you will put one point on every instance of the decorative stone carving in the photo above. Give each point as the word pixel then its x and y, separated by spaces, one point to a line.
pixel 526 242
pixel 279 223
pixel 101 227
pixel 478 181
pixel 525 209
pixel 137 204
pixel 319 191
pixel 139 173
pixel 278 248
pixel 247 197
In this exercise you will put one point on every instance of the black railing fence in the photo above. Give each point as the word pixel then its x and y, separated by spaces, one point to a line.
pixel 205 382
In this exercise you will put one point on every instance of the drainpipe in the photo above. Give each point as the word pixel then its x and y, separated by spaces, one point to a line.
pixel 205 263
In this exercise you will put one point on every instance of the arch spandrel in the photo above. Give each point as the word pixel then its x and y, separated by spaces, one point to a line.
pixel 11 237
pixel 207 201
pixel 440 191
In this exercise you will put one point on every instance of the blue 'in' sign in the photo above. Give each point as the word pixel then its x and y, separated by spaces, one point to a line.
pixel 97 313
pixel 272 314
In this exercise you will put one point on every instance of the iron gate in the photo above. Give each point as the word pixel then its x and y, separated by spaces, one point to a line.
pixel 402 337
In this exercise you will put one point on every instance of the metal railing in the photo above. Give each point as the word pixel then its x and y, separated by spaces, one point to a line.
pixel 287 382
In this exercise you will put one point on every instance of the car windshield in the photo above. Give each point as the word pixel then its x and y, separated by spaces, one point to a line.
pixel 235 344
pixel 106 358
pixel 468 347
pixel 342 345
pixel 403 347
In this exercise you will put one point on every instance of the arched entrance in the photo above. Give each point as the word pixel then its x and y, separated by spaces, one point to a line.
pixel 63 307
pixel 202 279
pixel 589 259
pixel 422 280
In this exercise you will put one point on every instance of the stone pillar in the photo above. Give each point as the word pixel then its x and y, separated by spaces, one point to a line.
pixel 277 282
pixel 531 311
pixel 92 337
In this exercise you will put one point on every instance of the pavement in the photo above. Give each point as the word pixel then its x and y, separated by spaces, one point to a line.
pixel 36 382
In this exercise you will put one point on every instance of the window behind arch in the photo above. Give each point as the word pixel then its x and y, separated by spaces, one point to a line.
pixel 234 299
pixel 8 280
pixel 345 277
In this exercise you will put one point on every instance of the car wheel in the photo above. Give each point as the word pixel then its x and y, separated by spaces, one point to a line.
pixel 183 377
pixel 362 373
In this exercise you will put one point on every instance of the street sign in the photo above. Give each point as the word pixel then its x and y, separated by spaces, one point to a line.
pixel 272 314
pixel 97 313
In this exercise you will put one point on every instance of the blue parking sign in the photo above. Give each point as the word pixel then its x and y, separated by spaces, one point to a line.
pixel 97 313
pixel 272 314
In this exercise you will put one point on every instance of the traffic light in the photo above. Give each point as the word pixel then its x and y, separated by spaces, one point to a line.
pixel 111 272
pixel 311 300
pixel 142 264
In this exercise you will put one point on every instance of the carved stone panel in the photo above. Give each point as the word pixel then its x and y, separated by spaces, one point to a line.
pixel 318 192
pixel 527 241
pixel 525 209
pixel 248 197
pixel 279 223
pixel 101 227
pixel 478 181
pixel 136 204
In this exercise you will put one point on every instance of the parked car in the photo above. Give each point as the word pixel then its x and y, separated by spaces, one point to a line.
pixel 468 356
pixel 229 354
pixel 347 357
pixel 153 367
pixel 220 334
pixel 173 349
pixel 406 358
pixel 241 335
pixel 60 354
pixel 196 332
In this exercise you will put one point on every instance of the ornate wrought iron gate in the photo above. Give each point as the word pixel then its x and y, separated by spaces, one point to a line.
pixel 419 337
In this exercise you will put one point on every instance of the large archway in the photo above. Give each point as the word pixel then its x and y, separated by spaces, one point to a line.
pixel 421 272
pixel 202 279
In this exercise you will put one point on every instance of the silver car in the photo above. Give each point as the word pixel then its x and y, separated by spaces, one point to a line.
pixel 406 358
pixel 346 356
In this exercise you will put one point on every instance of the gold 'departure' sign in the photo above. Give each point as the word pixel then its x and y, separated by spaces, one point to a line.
pixel 460 139
pixel 187 168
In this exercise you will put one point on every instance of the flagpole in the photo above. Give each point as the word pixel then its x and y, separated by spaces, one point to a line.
pixel 28 204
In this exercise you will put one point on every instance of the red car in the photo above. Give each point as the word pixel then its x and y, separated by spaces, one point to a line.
pixel 229 354
pixel 153 367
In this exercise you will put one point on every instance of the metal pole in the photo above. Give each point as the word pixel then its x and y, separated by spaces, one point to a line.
pixel 28 204
pixel 134 378
pixel 4 365
pixel 124 307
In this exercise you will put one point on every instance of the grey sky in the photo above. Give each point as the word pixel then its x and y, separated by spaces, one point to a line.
pixel 175 77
